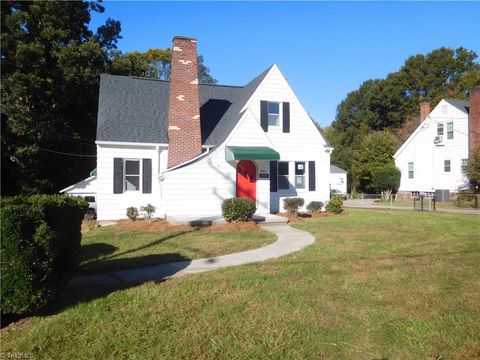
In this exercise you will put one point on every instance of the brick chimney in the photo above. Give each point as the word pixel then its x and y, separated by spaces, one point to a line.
pixel 184 134
pixel 474 121
pixel 424 110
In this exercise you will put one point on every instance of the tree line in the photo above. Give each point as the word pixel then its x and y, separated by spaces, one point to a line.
pixel 50 69
pixel 375 119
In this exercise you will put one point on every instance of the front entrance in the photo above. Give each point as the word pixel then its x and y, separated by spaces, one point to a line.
pixel 247 180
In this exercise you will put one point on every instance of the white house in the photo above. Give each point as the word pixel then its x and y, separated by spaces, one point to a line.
pixel 185 147
pixel 338 179
pixel 435 155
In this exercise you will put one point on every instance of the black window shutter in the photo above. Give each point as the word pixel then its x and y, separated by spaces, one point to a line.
pixel 264 115
pixel 117 175
pixel 147 176
pixel 286 117
pixel 273 176
pixel 311 175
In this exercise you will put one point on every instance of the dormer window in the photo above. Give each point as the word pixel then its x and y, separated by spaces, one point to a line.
pixel 273 113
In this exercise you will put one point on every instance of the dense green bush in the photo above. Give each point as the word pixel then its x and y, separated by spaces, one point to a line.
pixel 335 204
pixel 292 205
pixel 315 206
pixel 40 242
pixel 238 209
pixel 149 210
pixel 132 213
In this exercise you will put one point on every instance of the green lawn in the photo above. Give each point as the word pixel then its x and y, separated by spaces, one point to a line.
pixel 112 248
pixel 375 285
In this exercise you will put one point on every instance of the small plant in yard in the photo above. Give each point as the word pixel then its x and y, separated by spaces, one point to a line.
pixel 315 206
pixel 132 213
pixel 292 205
pixel 335 204
pixel 149 210
pixel 238 209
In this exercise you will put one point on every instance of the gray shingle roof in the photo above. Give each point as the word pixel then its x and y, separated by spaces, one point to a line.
pixel 336 170
pixel 462 105
pixel 135 109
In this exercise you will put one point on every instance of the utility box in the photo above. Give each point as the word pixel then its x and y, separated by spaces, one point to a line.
pixel 442 195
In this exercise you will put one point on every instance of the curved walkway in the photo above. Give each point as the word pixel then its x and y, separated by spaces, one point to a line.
pixel 288 241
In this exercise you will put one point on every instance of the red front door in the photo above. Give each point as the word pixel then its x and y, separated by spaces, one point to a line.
pixel 247 180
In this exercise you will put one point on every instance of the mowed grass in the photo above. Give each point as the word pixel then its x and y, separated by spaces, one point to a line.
pixel 375 285
pixel 111 248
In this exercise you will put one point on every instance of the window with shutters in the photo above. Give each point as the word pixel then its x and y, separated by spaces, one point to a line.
pixel 450 130
pixel 446 166
pixel 283 183
pixel 131 175
pixel 273 113
pixel 300 175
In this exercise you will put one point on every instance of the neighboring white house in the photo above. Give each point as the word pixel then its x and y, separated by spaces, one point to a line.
pixel 435 155
pixel 185 148
pixel 338 179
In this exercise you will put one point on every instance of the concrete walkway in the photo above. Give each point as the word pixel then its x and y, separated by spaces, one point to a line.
pixel 288 241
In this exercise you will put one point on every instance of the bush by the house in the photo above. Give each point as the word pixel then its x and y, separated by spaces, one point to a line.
pixel 238 209
pixel 149 210
pixel 335 204
pixel 292 205
pixel 132 213
pixel 40 243
pixel 315 206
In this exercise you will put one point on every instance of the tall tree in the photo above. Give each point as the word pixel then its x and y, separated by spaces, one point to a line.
pixel 50 64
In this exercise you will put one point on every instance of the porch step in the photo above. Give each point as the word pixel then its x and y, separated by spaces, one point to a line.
pixel 218 219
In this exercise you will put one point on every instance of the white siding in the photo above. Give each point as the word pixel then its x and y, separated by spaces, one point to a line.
pixel 113 206
pixel 429 158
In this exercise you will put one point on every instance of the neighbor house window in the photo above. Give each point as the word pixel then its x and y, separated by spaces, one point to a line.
pixel 464 165
pixel 300 175
pixel 446 166
pixel 440 129
pixel 273 113
pixel 132 175
pixel 283 182
pixel 410 170
pixel 450 130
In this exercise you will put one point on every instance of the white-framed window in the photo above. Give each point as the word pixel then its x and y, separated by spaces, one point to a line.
pixel 300 174
pixel 464 165
pixel 446 165
pixel 283 182
pixel 131 174
pixel 273 113
pixel 450 130
pixel 410 170
pixel 440 129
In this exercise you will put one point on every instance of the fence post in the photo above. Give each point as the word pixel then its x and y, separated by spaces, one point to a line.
pixel 391 202
pixel 363 205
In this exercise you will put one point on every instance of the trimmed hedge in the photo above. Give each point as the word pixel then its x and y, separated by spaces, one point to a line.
pixel 335 204
pixel 40 243
pixel 293 204
pixel 314 206
pixel 238 209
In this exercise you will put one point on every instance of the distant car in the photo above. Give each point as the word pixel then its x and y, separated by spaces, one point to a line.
pixel 338 192
pixel 92 207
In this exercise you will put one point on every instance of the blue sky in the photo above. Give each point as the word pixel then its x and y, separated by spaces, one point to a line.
pixel 325 49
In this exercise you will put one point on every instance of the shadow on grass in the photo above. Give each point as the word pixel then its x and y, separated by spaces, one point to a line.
pixel 92 251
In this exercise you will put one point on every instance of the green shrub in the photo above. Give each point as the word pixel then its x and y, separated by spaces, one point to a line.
pixel 315 206
pixel 132 213
pixel 238 209
pixel 149 210
pixel 292 205
pixel 40 243
pixel 335 204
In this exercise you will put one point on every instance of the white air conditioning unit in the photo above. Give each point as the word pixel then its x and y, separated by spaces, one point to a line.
pixel 438 140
